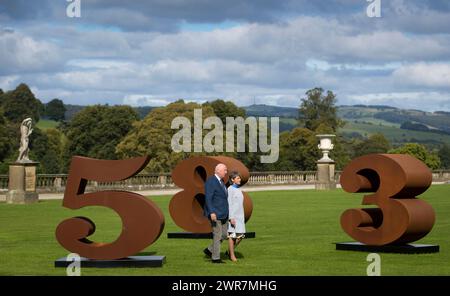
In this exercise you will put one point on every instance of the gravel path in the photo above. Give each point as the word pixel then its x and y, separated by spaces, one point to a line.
pixel 50 196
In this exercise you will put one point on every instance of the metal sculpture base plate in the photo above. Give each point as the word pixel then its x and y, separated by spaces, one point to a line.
pixel 193 235
pixel 400 249
pixel 131 261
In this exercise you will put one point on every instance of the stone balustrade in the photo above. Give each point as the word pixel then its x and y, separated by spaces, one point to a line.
pixel 57 182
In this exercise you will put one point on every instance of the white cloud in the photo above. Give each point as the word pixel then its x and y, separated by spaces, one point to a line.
pixel 8 82
pixel 424 74
pixel 272 63
pixel 144 100
pixel 21 53
pixel 387 46
pixel 97 64
pixel 325 66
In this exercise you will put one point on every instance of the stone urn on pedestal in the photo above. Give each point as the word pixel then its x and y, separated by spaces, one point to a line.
pixel 325 165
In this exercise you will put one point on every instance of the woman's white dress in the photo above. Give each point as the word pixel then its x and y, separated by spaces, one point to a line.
pixel 236 210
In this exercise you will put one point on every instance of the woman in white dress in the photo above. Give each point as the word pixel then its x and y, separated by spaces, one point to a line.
pixel 236 227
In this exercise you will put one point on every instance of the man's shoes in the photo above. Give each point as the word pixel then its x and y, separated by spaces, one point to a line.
pixel 217 261
pixel 207 252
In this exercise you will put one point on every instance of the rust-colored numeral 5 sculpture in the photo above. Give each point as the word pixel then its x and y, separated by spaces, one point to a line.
pixel 142 220
pixel 186 207
pixel 396 180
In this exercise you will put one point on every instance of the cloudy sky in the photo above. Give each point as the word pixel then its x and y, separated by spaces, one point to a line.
pixel 265 51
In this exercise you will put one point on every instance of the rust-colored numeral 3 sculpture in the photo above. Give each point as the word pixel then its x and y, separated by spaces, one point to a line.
pixel 142 220
pixel 186 207
pixel 396 180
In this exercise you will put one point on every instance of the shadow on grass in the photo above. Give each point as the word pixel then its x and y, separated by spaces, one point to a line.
pixel 224 256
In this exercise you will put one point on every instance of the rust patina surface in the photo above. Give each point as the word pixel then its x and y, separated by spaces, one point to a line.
pixel 186 207
pixel 142 220
pixel 398 216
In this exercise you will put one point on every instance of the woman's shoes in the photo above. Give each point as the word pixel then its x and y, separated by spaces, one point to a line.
pixel 229 257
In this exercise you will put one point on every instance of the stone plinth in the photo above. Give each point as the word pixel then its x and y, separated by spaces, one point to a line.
pixel 22 183
pixel 325 175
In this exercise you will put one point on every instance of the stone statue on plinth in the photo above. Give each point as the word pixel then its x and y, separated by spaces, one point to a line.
pixel 25 132
pixel 22 173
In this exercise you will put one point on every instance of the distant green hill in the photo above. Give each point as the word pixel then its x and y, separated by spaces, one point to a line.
pixel 398 125
pixel 435 121
pixel 267 110
pixel 394 134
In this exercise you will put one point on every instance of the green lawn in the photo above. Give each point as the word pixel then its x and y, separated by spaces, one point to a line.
pixel 46 124
pixel 295 232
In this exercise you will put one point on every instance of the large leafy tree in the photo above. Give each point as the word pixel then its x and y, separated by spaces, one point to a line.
pixel 96 130
pixel 20 103
pixel 53 160
pixel 420 152
pixel 55 110
pixel 46 153
pixel 224 109
pixel 444 155
pixel 153 135
pixel 319 108
pixel 5 137
pixel 376 143
pixel 298 150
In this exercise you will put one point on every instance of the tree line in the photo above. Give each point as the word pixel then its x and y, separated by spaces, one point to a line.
pixel 117 132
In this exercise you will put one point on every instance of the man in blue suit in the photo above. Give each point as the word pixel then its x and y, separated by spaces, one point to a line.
pixel 216 209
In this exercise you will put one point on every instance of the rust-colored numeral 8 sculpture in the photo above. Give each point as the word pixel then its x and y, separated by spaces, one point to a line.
pixel 395 179
pixel 142 220
pixel 186 207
